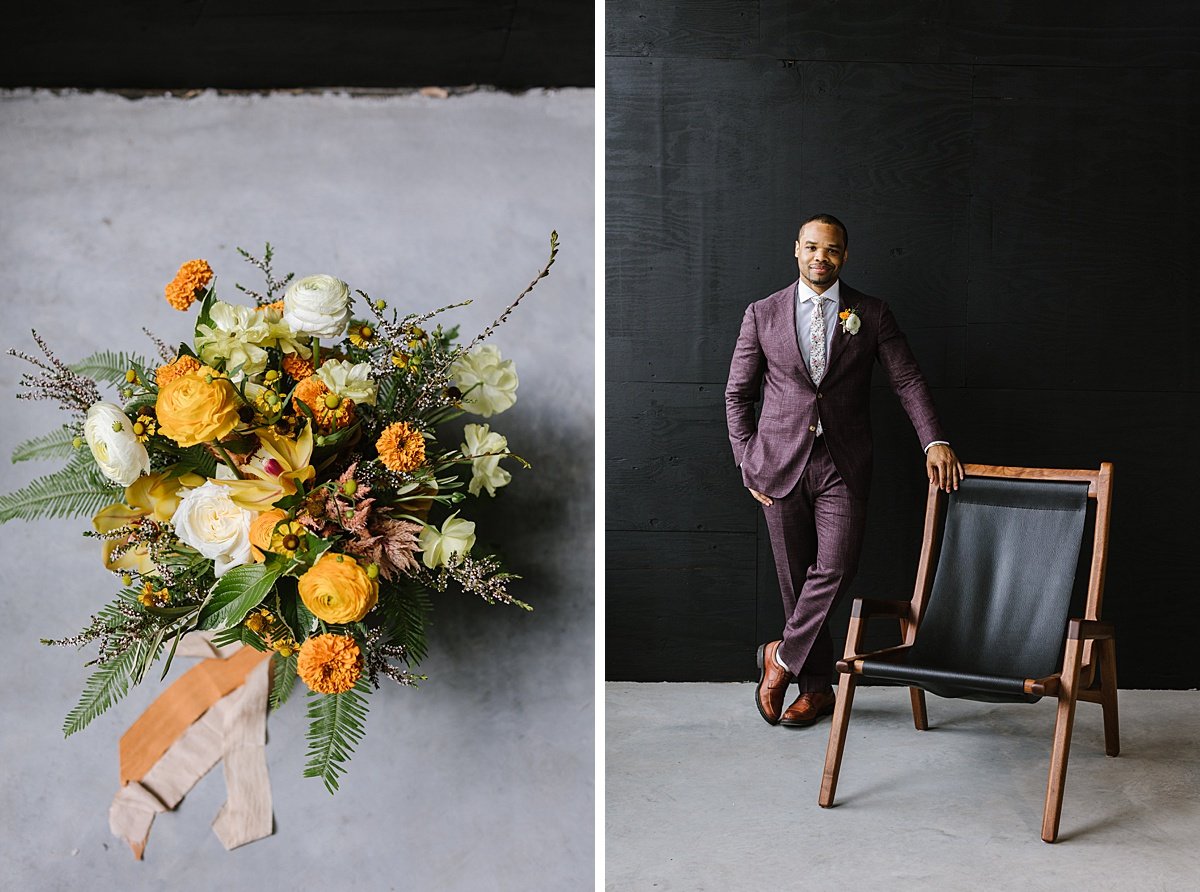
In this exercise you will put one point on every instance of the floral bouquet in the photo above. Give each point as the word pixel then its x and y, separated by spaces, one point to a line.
pixel 278 482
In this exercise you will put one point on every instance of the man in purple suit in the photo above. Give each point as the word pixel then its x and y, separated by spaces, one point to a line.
pixel 810 349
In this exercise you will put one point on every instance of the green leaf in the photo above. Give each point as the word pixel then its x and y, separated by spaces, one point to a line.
pixel 405 614
pixel 106 686
pixel 238 592
pixel 110 366
pixel 78 489
pixel 205 318
pixel 56 444
pixel 283 680
pixel 335 729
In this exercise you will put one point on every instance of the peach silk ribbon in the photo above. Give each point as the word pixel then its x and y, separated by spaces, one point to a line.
pixel 216 711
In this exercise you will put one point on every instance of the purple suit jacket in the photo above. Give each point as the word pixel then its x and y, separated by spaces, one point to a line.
pixel 773 451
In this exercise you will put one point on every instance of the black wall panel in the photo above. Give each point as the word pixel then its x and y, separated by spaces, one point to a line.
pixel 1019 182
pixel 267 44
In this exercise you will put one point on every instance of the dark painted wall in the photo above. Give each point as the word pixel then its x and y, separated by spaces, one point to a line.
pixel 264 44
pixel 1019 181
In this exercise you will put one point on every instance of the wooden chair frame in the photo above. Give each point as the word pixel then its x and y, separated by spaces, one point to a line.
pixel 1089 670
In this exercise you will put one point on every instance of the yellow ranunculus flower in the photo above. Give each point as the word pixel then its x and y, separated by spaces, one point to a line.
pixel 197 407
pixel 260 532
pixel 337 590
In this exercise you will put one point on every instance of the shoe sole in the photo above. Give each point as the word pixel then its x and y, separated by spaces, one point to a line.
pixel 820 715
pixel 762 677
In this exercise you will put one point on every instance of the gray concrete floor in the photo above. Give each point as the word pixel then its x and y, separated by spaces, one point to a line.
pixel 702 794
pixel 481 779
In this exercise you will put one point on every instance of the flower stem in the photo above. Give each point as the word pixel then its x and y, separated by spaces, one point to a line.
pixel 229 461
pixel 316 345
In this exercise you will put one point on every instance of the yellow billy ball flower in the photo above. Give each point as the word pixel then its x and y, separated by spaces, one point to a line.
pixel 197 407
pixel 337 590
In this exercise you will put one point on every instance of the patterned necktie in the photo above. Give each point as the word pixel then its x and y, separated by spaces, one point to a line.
pixel 816 346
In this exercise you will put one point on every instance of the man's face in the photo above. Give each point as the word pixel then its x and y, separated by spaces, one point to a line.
pixel 820 253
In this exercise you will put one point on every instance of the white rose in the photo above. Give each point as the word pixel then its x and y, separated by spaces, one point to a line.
pixel 456 537
pixel 208 520
pixel 852 324
pixel 485 449
pixel 488 383
pixel 317 305
pixel 109 434
pixel 347 379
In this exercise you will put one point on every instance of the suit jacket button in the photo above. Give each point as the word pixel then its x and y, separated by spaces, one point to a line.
pixel 820 396
pixel 812 427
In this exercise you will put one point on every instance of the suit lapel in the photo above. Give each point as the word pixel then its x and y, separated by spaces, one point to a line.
pixel 845 300
pixel 787 316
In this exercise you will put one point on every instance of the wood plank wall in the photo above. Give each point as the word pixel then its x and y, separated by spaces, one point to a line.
pixel 269 44
pixel 1019 181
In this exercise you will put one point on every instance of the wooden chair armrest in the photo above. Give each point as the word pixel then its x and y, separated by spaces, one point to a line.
pixel 868 607
pixel 1090 629
pixel 851 663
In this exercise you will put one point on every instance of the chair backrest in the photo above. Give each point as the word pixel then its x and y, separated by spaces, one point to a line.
pixel 993 597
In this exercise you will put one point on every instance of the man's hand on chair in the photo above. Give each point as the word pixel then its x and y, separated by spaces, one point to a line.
pixel 943 467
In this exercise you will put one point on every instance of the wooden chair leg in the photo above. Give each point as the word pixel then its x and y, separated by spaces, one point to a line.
pixel 837 740
pixel 1108 696
pixel 920 716
pixel 1063 724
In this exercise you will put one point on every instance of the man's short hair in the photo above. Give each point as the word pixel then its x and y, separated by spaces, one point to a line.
pixel 828 220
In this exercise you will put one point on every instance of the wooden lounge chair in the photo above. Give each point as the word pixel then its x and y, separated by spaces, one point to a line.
pixel 989 615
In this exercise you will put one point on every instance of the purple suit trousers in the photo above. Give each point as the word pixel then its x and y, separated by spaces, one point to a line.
pixel 819 486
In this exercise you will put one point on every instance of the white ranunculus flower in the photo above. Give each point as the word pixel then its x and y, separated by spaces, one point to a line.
pixel 852 324
pixel 234 340
pixel 348 379
pixel 488 383
pixel 109 434
pixel 485 449
pixel 456 537
pixel 208 520
pixel 317 305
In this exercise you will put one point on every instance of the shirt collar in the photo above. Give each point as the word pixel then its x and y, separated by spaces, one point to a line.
pixel 834 292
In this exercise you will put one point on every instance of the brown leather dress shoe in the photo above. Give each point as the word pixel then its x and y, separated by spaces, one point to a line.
pixel 807 708
pixel 772 683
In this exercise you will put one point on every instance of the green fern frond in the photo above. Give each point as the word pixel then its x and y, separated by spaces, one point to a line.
pixel 283 680
pixel 78 489
pixel 335 729
pixel 109 366
pixel 56 444
pixel 106 686
pixel 405 613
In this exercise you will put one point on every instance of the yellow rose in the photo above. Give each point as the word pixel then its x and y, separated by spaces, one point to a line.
pixel 260 532
pixel 197 407
pixel 337 590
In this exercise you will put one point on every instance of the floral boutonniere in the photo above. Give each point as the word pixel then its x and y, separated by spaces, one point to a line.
pixel 850 321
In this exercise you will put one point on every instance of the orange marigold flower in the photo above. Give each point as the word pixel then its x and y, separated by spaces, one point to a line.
pixel 277 305
pixel 171 371
pixel 192 277
pixel 330 664
pixel 401 447
pixel 844 314
pixel 297 366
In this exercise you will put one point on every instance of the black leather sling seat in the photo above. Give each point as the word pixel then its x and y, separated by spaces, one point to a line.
pixel 998 607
